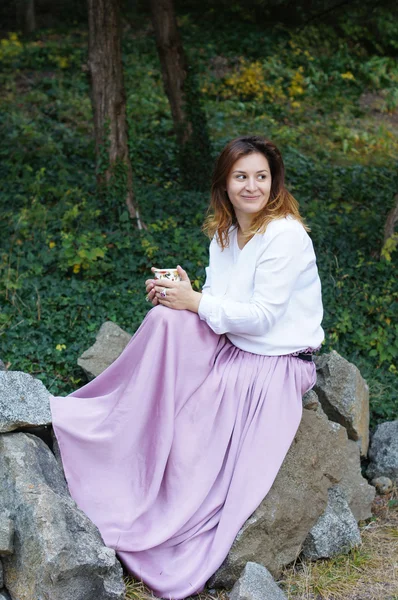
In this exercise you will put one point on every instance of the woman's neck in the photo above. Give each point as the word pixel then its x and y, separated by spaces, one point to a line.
pixel 242 238
pixel 244 224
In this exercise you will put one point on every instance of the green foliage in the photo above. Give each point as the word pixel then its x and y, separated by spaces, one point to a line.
pixel 197 150
pixel 389 246
pixel 69 258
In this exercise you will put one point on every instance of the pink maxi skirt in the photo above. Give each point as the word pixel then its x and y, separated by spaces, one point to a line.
pixel 174 446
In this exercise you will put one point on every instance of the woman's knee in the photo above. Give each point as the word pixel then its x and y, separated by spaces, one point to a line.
pixel 162 314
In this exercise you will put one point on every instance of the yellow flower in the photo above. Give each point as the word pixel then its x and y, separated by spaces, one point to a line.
pixel 76 268
pixel 63 62
pixel 296 87
pixel 347 75
pixel 52 245
pixel 60 347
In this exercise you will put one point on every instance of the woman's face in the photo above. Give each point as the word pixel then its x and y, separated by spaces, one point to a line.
pixel 249 186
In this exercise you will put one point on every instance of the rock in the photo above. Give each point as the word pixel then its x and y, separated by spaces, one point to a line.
pixel 24 401
pixel 111 340
pixel 344 396
pixel 6 535
pixel 358 492
pixel 274 534
pixel 336 531
pixel 4 595
pixel 256 583
pixel 1 575
pixel 383 452
pixel 58 551
pixel 2 366
pixel 56 451
pixel 310 401
pixel 383 485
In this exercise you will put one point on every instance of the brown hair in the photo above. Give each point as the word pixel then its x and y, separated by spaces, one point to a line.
pixel 221 214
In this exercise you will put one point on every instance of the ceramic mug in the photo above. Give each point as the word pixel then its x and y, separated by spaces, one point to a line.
pixel 169 274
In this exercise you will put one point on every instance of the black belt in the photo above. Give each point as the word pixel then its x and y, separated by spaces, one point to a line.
pixel 304 356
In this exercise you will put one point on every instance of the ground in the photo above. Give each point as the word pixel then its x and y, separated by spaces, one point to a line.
pixel 369 572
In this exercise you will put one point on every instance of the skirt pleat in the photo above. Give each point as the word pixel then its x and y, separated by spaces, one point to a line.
pixel 174 446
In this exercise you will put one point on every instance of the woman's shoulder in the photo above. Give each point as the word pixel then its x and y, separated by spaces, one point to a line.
pixel 288 224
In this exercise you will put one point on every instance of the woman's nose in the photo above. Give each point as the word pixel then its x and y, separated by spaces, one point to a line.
pixel 251 184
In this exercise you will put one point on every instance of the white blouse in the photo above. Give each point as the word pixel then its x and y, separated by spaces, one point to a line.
pixel 266 297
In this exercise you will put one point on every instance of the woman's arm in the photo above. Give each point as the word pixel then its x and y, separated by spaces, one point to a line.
pixel 277 270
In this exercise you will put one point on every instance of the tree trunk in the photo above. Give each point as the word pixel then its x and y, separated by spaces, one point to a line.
pixel 26 16
pixel 108 97
pixel 183 95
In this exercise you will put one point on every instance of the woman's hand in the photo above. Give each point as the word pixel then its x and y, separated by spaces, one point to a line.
pixel 173 294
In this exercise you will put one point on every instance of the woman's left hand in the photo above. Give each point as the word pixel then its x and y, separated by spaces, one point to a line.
pixel 177 294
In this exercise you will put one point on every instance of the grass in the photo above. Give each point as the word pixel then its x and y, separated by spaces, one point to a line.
pixel 368 572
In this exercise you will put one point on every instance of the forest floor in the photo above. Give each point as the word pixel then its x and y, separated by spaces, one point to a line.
pixel 369 572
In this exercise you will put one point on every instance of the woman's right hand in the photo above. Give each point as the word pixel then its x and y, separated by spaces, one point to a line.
pixel 150 292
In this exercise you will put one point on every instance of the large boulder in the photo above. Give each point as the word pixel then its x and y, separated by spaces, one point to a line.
pixel 256 583
pixel 383 452
pixel 110 342
pixel 335 532
pixel 58 551
pixel 6 535
pixel 24 401
pixel 274 534
pixel 344 396
pixel 358 492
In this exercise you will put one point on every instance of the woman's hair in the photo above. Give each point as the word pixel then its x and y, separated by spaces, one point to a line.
pixel 221 214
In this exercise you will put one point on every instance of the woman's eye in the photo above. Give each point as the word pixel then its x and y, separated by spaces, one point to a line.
pixel 240 177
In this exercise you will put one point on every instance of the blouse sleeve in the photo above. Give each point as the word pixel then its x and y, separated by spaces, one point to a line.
pixel 277 270
pixel 207 284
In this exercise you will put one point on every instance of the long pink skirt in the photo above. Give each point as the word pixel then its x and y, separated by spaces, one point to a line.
pixel 175 445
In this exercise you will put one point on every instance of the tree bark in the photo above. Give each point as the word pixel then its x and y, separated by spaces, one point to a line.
pixel 173 63
pixel 108 96
pixel 182 92
pixel 26 16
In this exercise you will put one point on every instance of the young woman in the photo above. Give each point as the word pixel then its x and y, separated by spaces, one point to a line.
pixel 175 445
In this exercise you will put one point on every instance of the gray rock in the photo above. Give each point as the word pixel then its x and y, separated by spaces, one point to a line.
pixel 4 595
pixel 274 534
pixel 58 551
pixel 310 400
pixel 256 583
pixel 56 451
pixel 6 535
pixel 344 396
pixel 335 532
pixel 24 401
pixel 383 452
pixel 358 492
pixel 110 342
pixel 2 366
pixel 383 485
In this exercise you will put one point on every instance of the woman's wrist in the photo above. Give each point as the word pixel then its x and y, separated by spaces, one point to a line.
pixel 194 301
